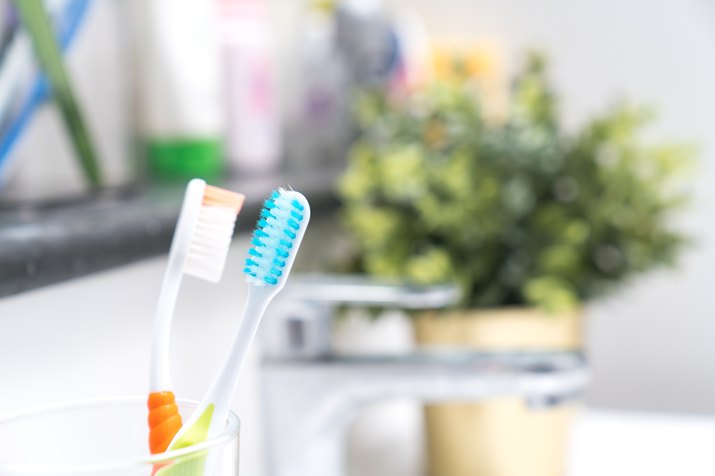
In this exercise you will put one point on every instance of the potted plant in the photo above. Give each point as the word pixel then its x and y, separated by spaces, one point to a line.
pixel 531 220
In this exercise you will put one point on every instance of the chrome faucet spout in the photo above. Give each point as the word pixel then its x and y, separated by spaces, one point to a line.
pixel 312 402
pixel 311 394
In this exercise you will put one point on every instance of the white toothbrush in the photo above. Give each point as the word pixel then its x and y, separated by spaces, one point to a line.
pixel 278 235
pixel 199 248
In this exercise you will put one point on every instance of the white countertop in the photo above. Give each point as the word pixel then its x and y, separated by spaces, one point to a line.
pixel 603 443
pixel 616 443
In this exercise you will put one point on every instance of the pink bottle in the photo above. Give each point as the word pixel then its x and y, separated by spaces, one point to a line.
pixel 253 120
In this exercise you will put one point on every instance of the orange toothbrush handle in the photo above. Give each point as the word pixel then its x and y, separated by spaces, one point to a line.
pixel 164 420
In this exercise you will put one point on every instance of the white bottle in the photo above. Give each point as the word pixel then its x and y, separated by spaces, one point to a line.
pixel 179 73
pixel 254 145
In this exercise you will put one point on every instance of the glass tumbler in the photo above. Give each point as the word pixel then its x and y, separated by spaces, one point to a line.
pixel 106 437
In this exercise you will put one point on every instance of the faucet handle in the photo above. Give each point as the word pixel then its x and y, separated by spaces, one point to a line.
pixel 300 321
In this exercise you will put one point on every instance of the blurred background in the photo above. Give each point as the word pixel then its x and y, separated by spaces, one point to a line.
pixel 549 162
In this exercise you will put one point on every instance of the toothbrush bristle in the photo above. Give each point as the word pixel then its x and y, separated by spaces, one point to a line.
pixel 212 234
pixel 220 197
pixel 281 223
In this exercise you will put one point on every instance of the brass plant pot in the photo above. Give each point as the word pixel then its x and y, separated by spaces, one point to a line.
pixel 501 437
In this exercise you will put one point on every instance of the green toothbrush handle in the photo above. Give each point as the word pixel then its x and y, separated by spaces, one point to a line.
pixel 198 432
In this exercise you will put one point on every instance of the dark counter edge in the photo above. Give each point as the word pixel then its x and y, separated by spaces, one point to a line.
pixel 48 244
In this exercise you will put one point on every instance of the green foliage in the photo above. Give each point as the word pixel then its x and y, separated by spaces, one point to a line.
pixel 519 213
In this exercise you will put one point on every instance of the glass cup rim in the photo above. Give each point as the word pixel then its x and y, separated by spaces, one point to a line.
pixel 232 430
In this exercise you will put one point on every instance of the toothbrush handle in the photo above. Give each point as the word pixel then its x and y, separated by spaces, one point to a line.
pixel 209 418
pixel 164 420
pixel 160 377
pixel 224 385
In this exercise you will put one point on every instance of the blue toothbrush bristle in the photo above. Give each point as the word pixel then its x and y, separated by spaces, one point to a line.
pixel 278 226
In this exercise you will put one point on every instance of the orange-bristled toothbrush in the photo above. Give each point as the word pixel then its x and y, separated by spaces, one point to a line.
pixel 199 248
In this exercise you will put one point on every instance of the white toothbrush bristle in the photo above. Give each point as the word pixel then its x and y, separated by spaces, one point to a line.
pixel 277 237
pixel 210 242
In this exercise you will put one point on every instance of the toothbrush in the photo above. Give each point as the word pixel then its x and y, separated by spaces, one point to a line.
pixel 278 235
pixel 47 50
pixel 199 248
pixel 17 71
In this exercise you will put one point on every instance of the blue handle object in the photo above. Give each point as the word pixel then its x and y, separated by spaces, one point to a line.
pixel 68 26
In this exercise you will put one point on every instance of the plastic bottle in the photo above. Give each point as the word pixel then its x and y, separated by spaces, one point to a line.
pixel 179 85
pixel 254 145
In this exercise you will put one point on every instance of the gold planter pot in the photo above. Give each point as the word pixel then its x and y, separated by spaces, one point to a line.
pixel 501 437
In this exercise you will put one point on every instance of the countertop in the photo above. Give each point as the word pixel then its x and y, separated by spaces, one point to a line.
pixel 601 442
pixel 46 243
pixel 621 443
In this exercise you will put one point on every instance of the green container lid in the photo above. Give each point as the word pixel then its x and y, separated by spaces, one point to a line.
pixel 183 159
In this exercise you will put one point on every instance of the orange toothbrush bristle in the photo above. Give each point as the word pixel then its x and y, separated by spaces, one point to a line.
pixel 220 197
pixel 164 420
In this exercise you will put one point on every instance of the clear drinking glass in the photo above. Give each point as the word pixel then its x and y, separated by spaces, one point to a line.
pixel 106 437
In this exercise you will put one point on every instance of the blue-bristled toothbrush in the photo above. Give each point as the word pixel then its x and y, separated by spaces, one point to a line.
pixel 275 243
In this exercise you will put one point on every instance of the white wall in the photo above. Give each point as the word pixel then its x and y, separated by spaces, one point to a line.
pixel 652 346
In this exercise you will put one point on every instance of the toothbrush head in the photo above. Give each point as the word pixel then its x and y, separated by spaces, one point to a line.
pixel 213 229
pixel 278 235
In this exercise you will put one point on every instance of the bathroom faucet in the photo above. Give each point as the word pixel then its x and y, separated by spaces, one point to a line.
pixel 311 394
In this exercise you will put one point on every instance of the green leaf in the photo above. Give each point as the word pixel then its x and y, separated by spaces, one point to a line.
pixel 520 212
